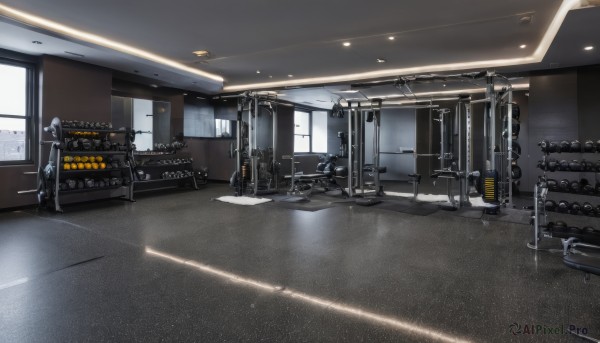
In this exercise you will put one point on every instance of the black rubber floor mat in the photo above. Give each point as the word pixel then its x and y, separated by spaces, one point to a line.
pixel 398 206
pixel 511 215
pixel 422 209
pixel 474 213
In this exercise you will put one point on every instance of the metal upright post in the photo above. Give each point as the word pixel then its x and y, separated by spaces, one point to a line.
pixel 350 155
pixel 509 143
pixel 275 172
pixel 468 151
pixel 377 128
pixel 254 148
pixel 361 149
pixel 238 150
pixel 491 94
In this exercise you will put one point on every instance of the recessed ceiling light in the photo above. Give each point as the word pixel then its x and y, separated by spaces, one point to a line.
pixel 270 76
pixel 154 86
pixel 36 42
pixel 588 48
pixel 155 74
pixel 444 85
pixel 381 60
pixel 522 46
pixel 184 94
pixel 201 53
pixel 391 37
pixel 346 44
pixel 258 71
pixel 290 75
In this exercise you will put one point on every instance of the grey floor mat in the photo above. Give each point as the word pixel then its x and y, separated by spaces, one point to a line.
pixel 398 206
pixel 511 215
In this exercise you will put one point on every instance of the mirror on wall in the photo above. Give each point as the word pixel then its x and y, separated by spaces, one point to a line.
pixel 151 117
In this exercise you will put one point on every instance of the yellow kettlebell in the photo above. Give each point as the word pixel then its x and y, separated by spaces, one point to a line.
pixel 102 165
pixel 77 159
pixel 68 159
pixel 94 165
pixel 67 166
pixel 73 166
pixel 88 165
pixel 99 159
pixel 92 159
pixel 85 159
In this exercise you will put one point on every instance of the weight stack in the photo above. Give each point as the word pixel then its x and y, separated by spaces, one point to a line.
pixel 490 186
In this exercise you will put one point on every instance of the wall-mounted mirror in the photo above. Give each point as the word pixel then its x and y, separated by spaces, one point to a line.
pixel 151 117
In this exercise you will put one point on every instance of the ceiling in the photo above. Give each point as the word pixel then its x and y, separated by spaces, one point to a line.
pixel 302 38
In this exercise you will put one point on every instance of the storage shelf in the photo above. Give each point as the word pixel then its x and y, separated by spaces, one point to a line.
pixel 153 153
pixel 162 165
pixel 92 152
pixel 574 193
pixel 87 171
pixel 83 190
pixel 70 129
pixel 575 214
pixel 162 180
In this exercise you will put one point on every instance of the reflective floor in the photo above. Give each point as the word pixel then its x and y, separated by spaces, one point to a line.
pixel 178 266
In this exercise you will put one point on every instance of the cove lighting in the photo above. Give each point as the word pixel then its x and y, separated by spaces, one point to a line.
pixel 324 303
pixel 536 57
pixel 53 26
pixel 588 48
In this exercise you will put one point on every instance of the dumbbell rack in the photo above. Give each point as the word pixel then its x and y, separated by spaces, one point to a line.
pixel 541 191
pixel 149 162
pixel 49 177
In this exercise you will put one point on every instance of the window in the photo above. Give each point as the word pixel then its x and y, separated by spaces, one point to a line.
pixel 301 131
pixel 16 84
pixel 310 131
pixel 222 128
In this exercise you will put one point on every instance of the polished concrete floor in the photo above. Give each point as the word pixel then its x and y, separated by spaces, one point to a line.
pixel 179 266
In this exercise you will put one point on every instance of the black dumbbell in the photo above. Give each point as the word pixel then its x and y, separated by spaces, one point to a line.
pixel 553 147
pixel 557 226
pixel 563 165
pixel 597 145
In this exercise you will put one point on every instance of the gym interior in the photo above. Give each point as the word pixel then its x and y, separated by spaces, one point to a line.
pixel 290 171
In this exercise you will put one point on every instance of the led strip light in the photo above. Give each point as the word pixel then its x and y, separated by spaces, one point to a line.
pixel 49 25
pixel 536 57
pixel 407 327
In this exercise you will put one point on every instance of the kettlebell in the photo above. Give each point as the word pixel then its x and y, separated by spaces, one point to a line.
pixel 563 206
pixel 516 172
pixel 575 146
pixel 550 205
pixel 588 146
pixel 552 184
pixel 516 111
pixel 575 187
pixel 564 185
pixel 574 165
pixel 563 165
pixel 574 208
pixel 553 147
pixel 545 146
pixel 587 209
pixel 552 165
pixel 516 150
pixel 564 147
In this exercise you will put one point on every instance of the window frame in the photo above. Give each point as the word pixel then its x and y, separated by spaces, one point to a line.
pixel 310 130
pixel 309 135
pixel 29 117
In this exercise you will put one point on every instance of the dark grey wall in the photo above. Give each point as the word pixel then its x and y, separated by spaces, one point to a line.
pixel 553 115
pixel 285 136
pixel 335 125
